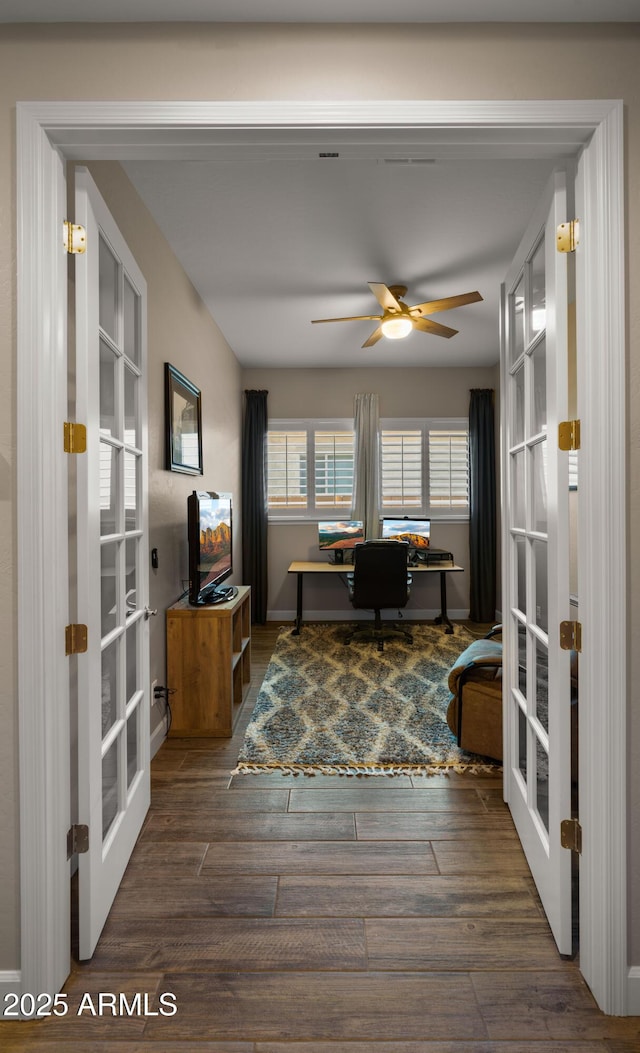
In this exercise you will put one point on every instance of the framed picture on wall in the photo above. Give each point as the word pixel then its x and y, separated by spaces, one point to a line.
pixel 183 422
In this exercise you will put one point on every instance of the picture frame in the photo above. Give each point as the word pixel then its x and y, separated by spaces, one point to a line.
pixel 183 411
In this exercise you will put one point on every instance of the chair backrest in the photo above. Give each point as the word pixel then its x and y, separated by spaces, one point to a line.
pixel 380 575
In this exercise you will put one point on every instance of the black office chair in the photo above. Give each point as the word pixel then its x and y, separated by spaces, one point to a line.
pixel 380 579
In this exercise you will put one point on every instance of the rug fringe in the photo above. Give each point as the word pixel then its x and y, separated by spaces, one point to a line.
pixel 436 768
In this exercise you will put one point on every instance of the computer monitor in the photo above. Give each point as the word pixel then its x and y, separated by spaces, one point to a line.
pixel 339 536
pixel 416 532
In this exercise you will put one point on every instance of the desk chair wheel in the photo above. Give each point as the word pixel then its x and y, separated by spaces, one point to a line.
pixel 378 632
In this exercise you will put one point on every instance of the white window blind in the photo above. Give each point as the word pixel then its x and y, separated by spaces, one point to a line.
pixel 287 469
pixel 448 469
pixel 424 468
pixel 333 462
pixel 309 468
pixel 401 459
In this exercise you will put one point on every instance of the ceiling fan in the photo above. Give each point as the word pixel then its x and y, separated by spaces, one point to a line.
pixel 399 319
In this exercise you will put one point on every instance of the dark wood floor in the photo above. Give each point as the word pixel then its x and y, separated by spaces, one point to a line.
pixel 325 915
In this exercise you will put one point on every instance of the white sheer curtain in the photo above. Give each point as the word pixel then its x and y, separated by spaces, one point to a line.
pixel 366 482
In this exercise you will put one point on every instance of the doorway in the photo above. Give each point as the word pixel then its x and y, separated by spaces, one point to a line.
pixel 45 132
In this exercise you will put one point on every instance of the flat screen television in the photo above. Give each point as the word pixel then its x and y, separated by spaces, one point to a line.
pixel 339 536
pixel 416 532
pixel 210 547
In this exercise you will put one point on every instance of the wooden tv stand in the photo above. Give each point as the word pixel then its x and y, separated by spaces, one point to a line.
pixel 208 665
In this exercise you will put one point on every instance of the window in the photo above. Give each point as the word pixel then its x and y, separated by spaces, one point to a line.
pixel 287 470
pixel 401 469
pixel 309 468
pixel 449 469
pixel 424 468
pixel 333 469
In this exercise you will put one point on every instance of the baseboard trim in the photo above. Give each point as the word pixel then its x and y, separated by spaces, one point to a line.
pixel 158 736
pixel 10 983
pixel 633 991
pixel 361 616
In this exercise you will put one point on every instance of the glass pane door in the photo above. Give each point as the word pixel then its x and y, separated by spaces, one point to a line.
pixel 536 586
pixel 113 709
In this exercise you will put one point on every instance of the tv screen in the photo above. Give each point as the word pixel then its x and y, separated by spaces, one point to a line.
pixel 416 532
pixel 338 535
pixel 210 547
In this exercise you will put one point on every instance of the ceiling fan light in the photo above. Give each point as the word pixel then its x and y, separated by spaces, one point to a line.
pixel 396 328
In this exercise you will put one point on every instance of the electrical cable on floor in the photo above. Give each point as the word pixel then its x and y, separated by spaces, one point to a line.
pixel 163 692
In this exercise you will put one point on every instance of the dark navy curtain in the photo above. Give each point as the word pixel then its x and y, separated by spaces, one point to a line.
pixel 482 506
pixel 254 502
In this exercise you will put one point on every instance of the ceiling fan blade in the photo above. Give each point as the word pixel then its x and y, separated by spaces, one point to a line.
pixel 385 297
pixel 351 318
pixel 425 325
pixel 373 339
pixel 447 304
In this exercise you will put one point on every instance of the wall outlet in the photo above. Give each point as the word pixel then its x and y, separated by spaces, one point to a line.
pixel 154 700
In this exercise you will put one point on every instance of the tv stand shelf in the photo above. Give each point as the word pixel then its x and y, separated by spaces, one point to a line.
pixel 208 665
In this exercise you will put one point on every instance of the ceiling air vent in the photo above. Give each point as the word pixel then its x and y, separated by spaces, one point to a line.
pixel 408 161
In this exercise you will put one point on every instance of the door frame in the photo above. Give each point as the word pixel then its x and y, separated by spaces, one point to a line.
pixel 48 134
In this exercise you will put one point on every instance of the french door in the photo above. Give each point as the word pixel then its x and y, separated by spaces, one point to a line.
pixel 112 543
pixel 536 589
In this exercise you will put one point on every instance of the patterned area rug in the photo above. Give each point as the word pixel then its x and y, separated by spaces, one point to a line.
pixel 327 708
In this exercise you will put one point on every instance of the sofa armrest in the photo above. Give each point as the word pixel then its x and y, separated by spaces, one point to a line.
pixel 482 658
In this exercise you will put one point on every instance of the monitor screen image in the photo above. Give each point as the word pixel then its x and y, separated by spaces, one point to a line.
pixel 210 543
pixel 416 532
pixel 340 534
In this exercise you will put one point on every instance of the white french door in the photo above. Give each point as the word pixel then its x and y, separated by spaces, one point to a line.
pixel 536 589
pixel 113 579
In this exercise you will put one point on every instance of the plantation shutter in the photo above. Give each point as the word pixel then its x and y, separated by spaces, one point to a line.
pixel 333 463
pixel 401 463
pixel 449 469
pixel 287 469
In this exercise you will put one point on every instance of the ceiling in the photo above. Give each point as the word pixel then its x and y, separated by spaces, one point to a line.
pixel 301 11
pixel 271 243
pixel 273 237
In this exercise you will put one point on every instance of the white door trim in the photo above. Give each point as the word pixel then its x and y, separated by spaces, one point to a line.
pixel 602 582
pixel 92 130
pixel 43 579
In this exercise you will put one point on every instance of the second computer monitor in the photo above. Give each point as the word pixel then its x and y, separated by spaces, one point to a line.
pixel 416 532
pixel 340 536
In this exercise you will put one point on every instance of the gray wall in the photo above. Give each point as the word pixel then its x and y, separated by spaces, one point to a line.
pixel 330 393
pixel 180 331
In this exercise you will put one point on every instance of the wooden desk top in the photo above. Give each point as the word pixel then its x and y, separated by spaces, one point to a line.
pixel 318 567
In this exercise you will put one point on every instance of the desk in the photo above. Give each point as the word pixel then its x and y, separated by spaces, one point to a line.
pixel 302 567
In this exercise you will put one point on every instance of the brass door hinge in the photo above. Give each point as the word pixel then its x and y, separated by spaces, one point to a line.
pixel 569 435
pixel 568 236
pixel 75 639
pixel 571 835
pixel 77 840
pixel 74 238
pixel 75 437
pixel 570 636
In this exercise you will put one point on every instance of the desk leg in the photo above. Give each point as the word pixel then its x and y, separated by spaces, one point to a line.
pixel 296 630
pixel 443 617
